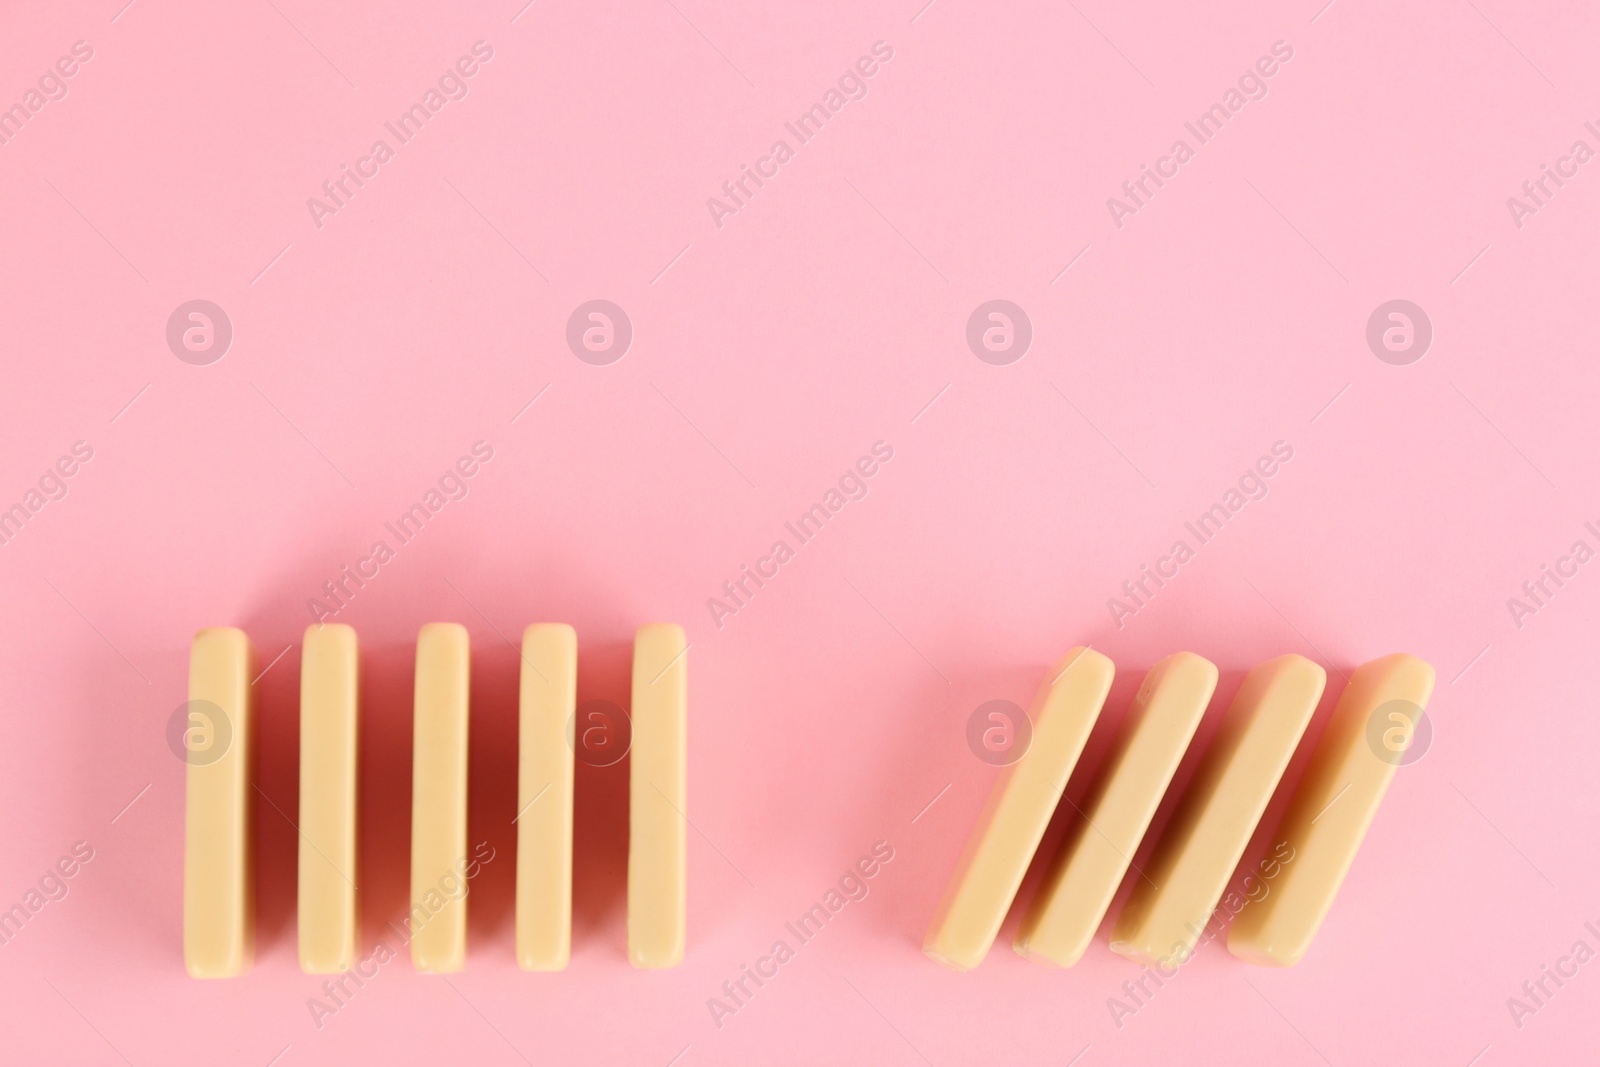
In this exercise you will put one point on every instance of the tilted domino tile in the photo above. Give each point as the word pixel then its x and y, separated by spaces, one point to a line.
pixel 1160 723
pixel 439 800
pixel 218 830
pixel 1017 811
pixel 329 740
pixel 657 798
pixel 1169 907
pixel 1332 808
pixel 544 796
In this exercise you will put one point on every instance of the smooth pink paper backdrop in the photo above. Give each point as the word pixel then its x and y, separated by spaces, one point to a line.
pixel 769 353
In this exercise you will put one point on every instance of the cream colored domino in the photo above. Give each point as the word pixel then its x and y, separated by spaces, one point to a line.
pixel 438 916
pixel 1333 806
pixel 1162 720
pixel 329 743
pixel 1165 914
pixel 1018 809
pixel 219 801
pixel 657 798
pixel 544 796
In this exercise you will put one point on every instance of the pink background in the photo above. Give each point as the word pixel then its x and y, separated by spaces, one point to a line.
pixel 768 354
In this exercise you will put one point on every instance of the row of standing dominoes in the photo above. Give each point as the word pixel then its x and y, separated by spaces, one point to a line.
pixel 218 874
pixel 1177 892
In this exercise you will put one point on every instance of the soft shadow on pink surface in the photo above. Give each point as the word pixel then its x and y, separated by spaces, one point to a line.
pixel 492 792
pixel 1075 824
pixel 600 809
pixel 972 779
pixel 1068 824
pixel 384 787
pixel 1228 682
pixel 276 795
pixel 600 845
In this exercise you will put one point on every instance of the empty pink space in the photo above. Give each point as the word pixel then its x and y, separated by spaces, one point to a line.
pixel 891 350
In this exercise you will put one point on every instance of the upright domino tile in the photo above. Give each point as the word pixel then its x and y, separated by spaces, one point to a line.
pixel 438 908
pixel 544 796
pixel 1169 908
pixel 1018 809
pixel 1160 723
pixel 329 739
pixel 1334 804
pixel 657 798
pixel 218 831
